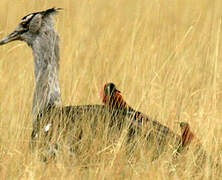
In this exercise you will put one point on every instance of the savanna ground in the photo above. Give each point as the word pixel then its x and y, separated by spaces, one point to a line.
pixel 165 57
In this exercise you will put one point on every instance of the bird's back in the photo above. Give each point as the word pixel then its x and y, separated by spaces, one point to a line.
pixel 67 124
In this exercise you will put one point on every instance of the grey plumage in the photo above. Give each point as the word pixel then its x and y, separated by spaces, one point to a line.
pixel 37 30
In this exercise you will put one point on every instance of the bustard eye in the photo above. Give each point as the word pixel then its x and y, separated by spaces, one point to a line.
pixel 24 24
pixel 26 20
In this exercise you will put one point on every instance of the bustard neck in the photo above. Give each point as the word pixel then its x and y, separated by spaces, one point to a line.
pixel 46 60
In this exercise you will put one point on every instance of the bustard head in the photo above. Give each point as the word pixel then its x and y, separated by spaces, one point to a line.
pixel 184 125
pixel 187 134
pixel 112 97
pixel 108 92
pixel 30 26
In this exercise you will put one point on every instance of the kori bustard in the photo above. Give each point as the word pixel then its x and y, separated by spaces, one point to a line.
pixel 161 137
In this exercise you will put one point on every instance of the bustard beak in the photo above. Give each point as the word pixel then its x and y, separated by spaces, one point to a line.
pixel 11 37
pixel 118 91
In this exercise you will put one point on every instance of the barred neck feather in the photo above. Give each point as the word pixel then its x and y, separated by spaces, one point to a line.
pixel 117 101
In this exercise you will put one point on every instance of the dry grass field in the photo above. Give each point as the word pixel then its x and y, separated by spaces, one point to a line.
pixel 165 57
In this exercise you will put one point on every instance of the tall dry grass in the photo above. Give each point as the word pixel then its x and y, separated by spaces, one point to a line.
pixel 165 57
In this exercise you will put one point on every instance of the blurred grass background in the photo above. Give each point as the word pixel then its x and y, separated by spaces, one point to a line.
pixel 164 56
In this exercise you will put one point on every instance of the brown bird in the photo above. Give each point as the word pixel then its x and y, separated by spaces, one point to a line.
pixel 188 137
pixel 186 133
pixel 160 136
pixel 191 145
